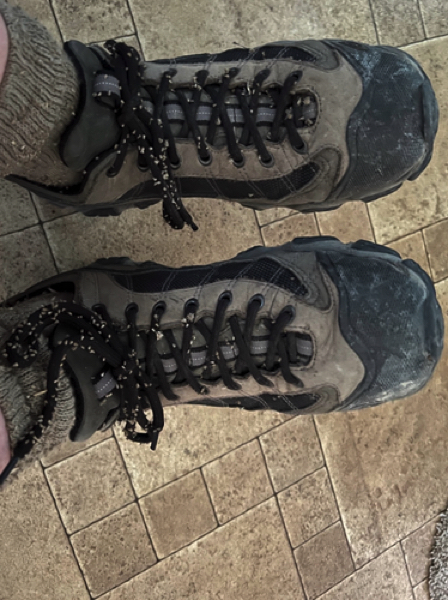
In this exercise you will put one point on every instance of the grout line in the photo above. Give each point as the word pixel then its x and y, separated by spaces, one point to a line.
pixel 406 566
pixel 137 35
pixel 271 483
pixel 369 216
pixel 116 37
pixel 145 524
pixel 420 12
pixel 288 541
pixel 280 219
pixel 416 230
pixel 323 466
pixel 168 556
pixel 50 2
pixel 103 518
pixel 372 12
pixel 322 596
pixel 315 535
pixel 425 246
pixel 211 460
pixel 334 494
pixel 23 229
pixel 65 531
pixel 319 230
pixel 61 460
pixel 204 481
pixel 316 223
pixel 436 516
pixel 53 256
pixel 257 222
pixel 428 39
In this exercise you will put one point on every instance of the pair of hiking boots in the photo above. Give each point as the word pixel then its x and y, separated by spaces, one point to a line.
pixel 312 326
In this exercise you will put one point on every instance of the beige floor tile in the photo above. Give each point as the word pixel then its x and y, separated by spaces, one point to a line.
pixel 273 214
pixel 385 578
pixel 237 481
pixel 25 260
pixel 435 17
pixel 308 507
pixel 348 223
pixel 398 22
pixel 87 21
pixel 388 466
pixel 192 436
pixel 224 230
pixel 36 560
pixel 324 561
pixel 48 211
pixel 178 514
pixel 174 27
pixel 421 592
pixel 417 548
pixel 67 449
pixel 113 550
pixel 286 230
pixel 75 485
pixel 412 246
pixel 40 10
pixel 291 451
pixel 424 201
pixel 249 558
pixel 16 208
pixel 436 238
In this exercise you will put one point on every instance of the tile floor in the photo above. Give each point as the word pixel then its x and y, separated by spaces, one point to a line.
pixel 236 506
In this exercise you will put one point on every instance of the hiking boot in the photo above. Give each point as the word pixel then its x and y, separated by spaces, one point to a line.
pixel 305 125
pixel 312 326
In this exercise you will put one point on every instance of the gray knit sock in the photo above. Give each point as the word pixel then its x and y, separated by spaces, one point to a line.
pixel 22 391
pixel 38 98
pixel 438 571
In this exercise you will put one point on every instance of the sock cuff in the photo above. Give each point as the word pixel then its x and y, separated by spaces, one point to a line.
pixel 38 92
pixel 23 390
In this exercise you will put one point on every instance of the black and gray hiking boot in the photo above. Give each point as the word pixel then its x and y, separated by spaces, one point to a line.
pixel 306 125
pixel 308 327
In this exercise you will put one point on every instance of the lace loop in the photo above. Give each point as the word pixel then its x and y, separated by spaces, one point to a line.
pixel 136 124
pixel 145 122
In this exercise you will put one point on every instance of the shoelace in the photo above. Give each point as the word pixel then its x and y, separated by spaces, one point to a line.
pixel 137 380
pixel 150 128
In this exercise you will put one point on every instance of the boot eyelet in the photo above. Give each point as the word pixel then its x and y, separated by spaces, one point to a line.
pixel 291 311
pixel 239 164
pixel 176 165
pixel 206 162
pixel 301 149
pixel 191 305
pixel 257 298
pixel 143 168
pixel 132 307
pixel 98 308
pixel 111 172
pixel 267 163
pixel 159 307
pixel 227 295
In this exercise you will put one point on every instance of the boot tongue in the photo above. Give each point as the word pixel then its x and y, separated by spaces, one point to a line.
pixel 95 127
pixel 97 406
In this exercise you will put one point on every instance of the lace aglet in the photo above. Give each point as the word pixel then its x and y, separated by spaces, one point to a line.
pixel 7 470
pixel 154 439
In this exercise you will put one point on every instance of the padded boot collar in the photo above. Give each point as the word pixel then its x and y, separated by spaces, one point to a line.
pixel 94 128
